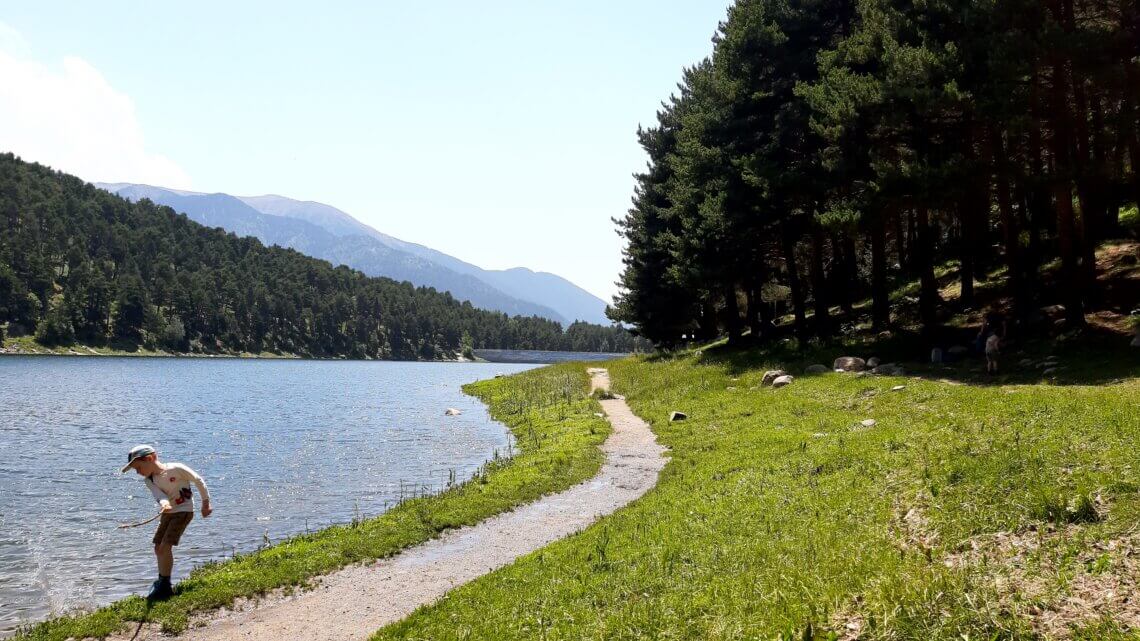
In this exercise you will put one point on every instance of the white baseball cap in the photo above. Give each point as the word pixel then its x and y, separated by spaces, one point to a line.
pixel 136 453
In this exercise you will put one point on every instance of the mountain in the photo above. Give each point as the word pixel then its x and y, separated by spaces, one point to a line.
pixel 327 233
pixel 567 299
pixel 551 290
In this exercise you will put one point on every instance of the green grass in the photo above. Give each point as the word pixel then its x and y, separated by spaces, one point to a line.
pixel 557 436
pixel 1130 218
pixel 780 516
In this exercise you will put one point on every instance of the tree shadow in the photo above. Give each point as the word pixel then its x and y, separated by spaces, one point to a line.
pixel 1094 356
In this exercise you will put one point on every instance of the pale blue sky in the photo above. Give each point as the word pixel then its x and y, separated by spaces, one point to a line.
pixel 502 133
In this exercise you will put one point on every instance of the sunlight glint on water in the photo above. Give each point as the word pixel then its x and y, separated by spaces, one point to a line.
pixel 283 445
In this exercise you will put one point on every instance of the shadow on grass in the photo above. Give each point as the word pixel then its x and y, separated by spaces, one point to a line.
pixel 1091 357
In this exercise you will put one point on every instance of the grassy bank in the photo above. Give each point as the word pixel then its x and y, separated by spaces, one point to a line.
pixel 29 346
pixel 557 436
pixel 970 509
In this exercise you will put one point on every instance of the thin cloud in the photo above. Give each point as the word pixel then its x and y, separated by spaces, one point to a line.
pixel 69 117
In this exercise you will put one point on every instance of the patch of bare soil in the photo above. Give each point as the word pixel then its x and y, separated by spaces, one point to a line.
pixel 1061 580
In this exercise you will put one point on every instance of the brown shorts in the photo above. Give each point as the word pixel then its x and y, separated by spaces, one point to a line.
pixel 171 526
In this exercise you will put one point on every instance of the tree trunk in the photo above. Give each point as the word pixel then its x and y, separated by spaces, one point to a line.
pixel 706 324
pixel 900 239
pixel 966 251
pixel 1035 201
pixel 819 282
pixel 911 240
pixel 1009 226
pixel 788 243
pixel 732 315
pixel 840 277
pixel 880 300
pixel 754 306
pixel 928 297
pixel 767 315
pixel 851 273
pixel 1062 187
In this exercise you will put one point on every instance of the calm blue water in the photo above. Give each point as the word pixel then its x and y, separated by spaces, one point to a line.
pixel 284 446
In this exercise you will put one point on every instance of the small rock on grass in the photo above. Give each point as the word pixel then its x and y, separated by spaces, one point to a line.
pixel 678 416
pixel 898 388
pixel 849 364
pixel 888 369
pixel 870 422
pixel 781 381
pixel 771 375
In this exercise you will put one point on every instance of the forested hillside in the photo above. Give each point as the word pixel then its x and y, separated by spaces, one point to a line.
pixel 78 264
pixel 829 149
pixel 369 251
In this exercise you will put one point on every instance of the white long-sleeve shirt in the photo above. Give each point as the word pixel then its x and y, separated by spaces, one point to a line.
pixel 173 484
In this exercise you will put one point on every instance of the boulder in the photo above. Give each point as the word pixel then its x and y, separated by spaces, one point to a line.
pixel 771 375
pixel 873 362
pixel 782 381
pixel 678 416
pixel 817 369
pixel 1049 371
pixel 1136 341
pixel 849 364
pixel 888 369
pixel 936 355
pixel 451 411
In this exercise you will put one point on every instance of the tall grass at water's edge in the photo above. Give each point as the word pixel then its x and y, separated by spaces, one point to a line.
pixel 964 512
pixel 557 436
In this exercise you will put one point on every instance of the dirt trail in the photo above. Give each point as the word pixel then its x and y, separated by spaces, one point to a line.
pixel 354 602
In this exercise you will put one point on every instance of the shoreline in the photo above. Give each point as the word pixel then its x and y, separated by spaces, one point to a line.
pixel 27 347
pixel 365 598
pixel 558 444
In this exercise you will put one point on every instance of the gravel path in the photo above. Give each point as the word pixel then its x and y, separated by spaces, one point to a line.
pixel 354 602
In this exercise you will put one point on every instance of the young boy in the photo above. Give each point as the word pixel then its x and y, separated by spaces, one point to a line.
pixel 170 485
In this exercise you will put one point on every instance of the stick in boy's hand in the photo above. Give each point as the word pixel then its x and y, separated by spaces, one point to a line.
pixel 123 526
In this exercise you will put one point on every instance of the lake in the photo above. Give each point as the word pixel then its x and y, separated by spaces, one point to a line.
pixel 286 446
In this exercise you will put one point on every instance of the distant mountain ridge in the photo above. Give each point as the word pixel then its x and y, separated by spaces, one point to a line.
pixel 328 233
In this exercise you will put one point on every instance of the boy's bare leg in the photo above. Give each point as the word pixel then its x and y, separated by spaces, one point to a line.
pixel 164 552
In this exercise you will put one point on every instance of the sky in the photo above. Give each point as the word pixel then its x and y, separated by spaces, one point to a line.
pixel 500 132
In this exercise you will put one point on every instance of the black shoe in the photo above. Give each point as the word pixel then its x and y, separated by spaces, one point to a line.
pixel 160 590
